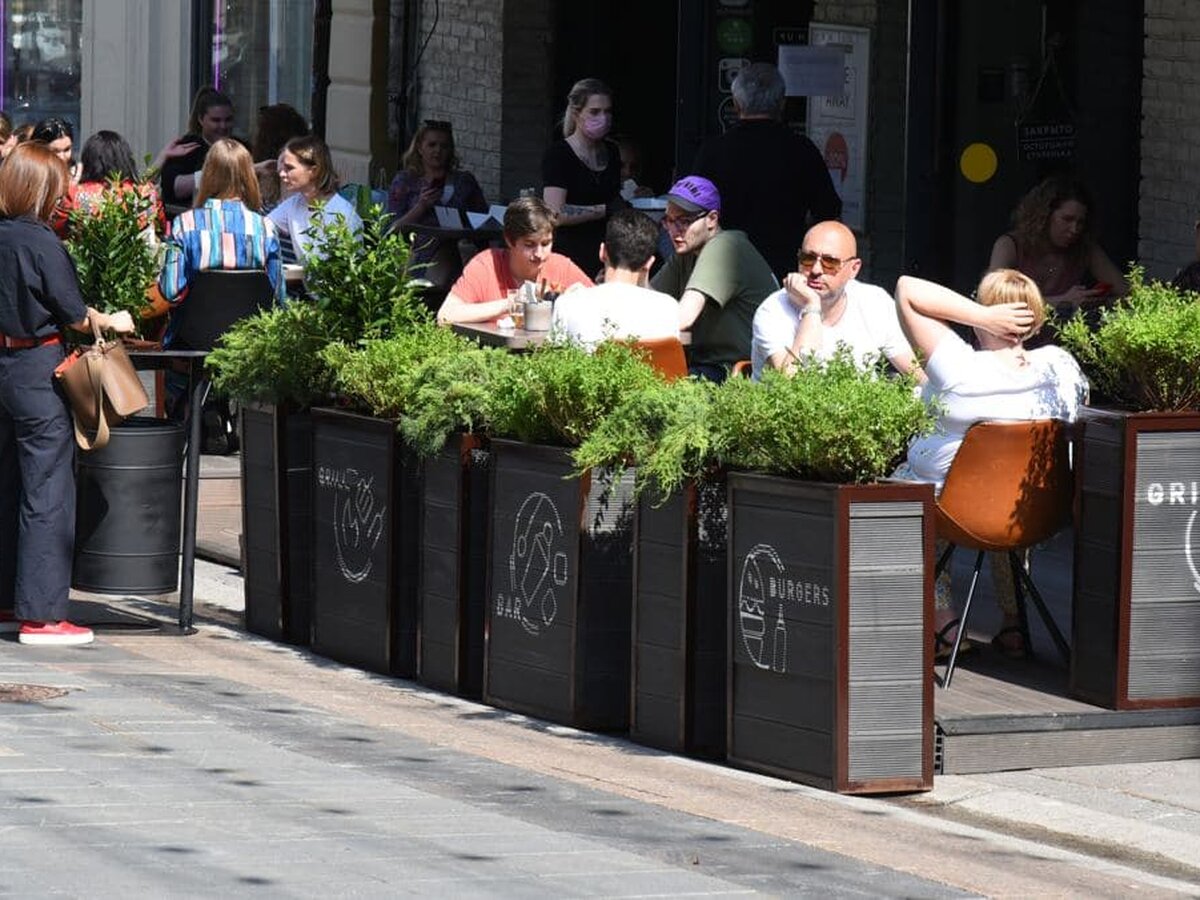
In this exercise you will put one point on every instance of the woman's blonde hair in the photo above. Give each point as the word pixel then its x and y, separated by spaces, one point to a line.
pixel 32 181
pixel 1011 286
pixel 577 99
pixel 228 174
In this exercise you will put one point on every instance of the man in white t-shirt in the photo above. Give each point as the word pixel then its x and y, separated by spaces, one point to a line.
pixel 823 305
pixel 622 307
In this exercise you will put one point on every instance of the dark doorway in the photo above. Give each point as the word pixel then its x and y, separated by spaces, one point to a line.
pixel 630 45
pixel 978 72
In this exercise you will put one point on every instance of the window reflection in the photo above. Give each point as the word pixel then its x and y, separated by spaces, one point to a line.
pixel 40 75
pixel 262 54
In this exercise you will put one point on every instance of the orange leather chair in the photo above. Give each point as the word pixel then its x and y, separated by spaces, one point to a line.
pixel 1010 487
pixel 665 355
pixel 741 369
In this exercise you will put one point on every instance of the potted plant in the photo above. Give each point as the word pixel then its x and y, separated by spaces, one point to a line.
pixel 830 578
pixel 366 494
pixel 677 697
pixel 444 426
pixel 1136 605
pixel 271 364
pixel 115 261
pixel 561 546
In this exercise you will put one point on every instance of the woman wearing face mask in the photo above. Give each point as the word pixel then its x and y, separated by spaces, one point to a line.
pixel 581 174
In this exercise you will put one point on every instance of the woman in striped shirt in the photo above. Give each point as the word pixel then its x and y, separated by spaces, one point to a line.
pixel 224 231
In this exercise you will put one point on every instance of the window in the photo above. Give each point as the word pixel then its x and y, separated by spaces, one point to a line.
pixel 261 53
pixel 40 42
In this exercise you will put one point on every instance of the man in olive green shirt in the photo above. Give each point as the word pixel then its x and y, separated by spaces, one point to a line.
pixel 717 276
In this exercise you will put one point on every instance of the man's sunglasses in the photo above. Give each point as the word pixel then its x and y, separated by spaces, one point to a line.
pixel 829 264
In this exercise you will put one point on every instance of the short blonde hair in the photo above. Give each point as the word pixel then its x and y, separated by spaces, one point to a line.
pixel 1011 286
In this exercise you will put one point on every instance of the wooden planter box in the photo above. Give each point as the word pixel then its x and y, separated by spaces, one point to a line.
pixel 277 521
pixel 679 621
pixel 1135 633
pixel 831 605
pixel 366 500
pixel 453 566
pixel 559 589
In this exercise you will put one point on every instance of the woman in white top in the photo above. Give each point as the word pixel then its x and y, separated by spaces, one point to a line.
pixel 306 173
pixel 1001 380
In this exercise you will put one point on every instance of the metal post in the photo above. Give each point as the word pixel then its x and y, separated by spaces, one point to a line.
pixel 191 494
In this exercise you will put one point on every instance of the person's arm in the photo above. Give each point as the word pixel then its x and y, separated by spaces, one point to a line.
pixel 174 149
pixel 184 186
pixel 691 304
pixel 1004 253
pixel 424 202
pixel 925 307
pixel 1105 271
pixel 454 310
pixel 556 199
pixel 807 338
pixel 120 322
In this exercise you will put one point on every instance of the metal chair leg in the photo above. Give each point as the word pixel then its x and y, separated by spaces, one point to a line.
pixel 1064 649
pixel 962 623
pixel 1017 569
pixel 943 560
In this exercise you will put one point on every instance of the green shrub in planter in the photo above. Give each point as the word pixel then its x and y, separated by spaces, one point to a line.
pixel 114 261
pixel 451 393
pixel 274 356
pixel 560 394
pixel 828 422
pixel 360 280
pixel 1143 353
pixel 663 429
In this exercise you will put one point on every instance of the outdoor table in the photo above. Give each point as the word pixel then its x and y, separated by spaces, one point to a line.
pixel 492 335
pixel 191 485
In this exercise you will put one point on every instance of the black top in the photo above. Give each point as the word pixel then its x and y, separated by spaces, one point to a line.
pixel 39 290
pixel 184 165
pixel 585 187
pixel 771 180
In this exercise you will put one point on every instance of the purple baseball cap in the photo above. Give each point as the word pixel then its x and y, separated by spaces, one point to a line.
pixel 695 194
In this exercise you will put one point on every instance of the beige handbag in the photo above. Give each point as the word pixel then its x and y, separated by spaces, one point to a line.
pixel 102 387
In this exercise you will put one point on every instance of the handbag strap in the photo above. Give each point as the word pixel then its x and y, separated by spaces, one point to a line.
pixel 95 364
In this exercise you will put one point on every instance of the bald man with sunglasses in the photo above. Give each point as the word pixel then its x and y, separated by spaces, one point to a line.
pixel 823 305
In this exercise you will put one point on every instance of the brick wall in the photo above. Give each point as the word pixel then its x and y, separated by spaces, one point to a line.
pixel 460 77
pixel 881 246
pixel 1169 199
pixel 528 105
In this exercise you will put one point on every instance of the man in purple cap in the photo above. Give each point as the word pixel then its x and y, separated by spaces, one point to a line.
pixel 717 276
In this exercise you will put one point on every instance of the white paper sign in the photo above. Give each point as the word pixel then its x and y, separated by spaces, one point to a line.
pixel 837 123
pixel 482 220
pixel 812 71
pixel 448 217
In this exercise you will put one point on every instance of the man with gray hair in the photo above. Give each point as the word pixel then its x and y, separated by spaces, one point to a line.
pixel 774 181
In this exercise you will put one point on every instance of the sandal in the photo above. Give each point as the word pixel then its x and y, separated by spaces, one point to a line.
pixel 943 644
pixel 1011 649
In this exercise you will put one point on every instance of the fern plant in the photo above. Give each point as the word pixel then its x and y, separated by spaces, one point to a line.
pixel 452 393
pixel 1142 355
pixel 274 356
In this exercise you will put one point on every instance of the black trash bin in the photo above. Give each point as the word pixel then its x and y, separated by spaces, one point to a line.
pixel 127 517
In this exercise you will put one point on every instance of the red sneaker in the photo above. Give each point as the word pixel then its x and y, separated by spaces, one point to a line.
pixel 56 634
pixel 8 622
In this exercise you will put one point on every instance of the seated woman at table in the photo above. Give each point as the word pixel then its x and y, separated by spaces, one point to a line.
pixel 107 156
pixel 306 173
pixel 481 293
pixel 430 177
pixel 1001 380
pixel 223 231
pixel 1053 242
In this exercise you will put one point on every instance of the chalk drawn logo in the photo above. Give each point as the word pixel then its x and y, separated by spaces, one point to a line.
pixel 537 565
pixel 358 520
pixel 1187 550
pixel 757 611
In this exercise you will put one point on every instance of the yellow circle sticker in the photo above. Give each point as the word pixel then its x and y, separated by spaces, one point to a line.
pixel 978 163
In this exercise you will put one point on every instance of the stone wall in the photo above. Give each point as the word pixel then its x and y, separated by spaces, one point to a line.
pixel 460 79
pixel 1170 189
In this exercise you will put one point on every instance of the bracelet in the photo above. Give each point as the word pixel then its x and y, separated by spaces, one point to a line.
pixel 809 311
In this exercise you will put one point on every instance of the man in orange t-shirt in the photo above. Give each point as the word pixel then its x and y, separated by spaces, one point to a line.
pixel 481 292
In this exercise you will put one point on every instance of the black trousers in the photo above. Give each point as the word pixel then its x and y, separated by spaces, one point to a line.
pixel 37 485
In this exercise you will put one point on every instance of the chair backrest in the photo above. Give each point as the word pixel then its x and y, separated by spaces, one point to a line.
pixel 216 299
pixel 741 369
pixel 1010 485
pixel 666 356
